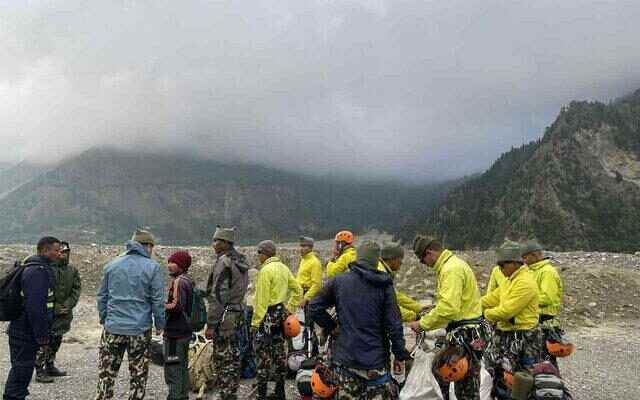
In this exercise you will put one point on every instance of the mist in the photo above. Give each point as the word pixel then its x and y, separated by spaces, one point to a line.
pixel 410 90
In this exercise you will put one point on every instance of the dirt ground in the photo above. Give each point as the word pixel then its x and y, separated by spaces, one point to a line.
pixel 601 313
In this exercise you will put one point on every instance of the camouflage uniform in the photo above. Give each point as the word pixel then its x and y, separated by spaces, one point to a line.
pixel 520 349
pixel 271 349
pixel 112 348
pixel 356 384
pixel 47 354
pixel 226 288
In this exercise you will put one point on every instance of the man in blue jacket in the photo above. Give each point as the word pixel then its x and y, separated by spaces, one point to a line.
pixel 130 299
pixel 32 329
pixel 368 319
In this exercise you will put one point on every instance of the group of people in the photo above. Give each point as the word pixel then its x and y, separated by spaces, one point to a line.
pixel 353 299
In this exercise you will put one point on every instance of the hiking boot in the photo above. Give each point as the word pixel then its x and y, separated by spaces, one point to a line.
pixel 280 393
pixel 42 377
pixel 262 392
pixel 55 372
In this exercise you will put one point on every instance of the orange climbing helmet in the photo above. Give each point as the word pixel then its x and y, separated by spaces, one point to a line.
pixel 344 236
pixel 451 364
pixel 321 382
pixel 559 349
pixel 291 326
pixel 507 376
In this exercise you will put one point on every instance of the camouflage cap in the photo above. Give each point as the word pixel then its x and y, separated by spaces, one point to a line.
pixel 391 251
pixel 369 253
pixel 508 251
pixel 267 248
pixel 226 234
pixel 530 246
pixel 143 237
pixel 306 241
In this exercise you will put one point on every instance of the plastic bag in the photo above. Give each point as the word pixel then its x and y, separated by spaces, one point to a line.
pixel 421 384
pixel 486 383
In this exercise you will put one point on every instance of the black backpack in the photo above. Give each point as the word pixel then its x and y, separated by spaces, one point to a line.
pixel 549 387
pixel 11 300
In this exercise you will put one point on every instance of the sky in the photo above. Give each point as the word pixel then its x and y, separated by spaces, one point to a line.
pixel 411 90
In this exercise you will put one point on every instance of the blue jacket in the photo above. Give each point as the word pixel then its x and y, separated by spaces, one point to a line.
pixel 368 317
pixel 38 282
pixel 132 291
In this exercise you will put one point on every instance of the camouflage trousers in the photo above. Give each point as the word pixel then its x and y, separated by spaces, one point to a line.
pixel 271 351
pixel 469 387
pixel 360 385
pixel 225 360
pixel 517 351
pixel 46 355
pixel 111 353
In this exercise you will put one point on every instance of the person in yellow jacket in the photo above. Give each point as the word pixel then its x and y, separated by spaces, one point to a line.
pixel 343 254
pixel 276 290
pixel 391 256
pixel 550 289
pixel 309 271
pixel 513 307
pixel 457 309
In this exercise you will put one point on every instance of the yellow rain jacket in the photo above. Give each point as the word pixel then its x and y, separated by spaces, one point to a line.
pixel 496 279
pixel 457 296
pixel 310 275
pixel 341 264
pixel 275 284
pixel 409 308
pixel 514 306
pixel 550 290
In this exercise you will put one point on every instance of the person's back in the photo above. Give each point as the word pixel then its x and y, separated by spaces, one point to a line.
pixel 132 292
pixel 130 300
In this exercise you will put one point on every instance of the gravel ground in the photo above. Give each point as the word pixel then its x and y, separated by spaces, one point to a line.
pixel 603 352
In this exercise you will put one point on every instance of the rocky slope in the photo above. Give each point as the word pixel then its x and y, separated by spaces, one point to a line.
pixel 576 188
pixel 102 195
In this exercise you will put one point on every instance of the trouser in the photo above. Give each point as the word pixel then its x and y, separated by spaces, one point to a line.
pixel 517 351
pixel 225 359
pixel 176 373
pixel 111 353
pixel 46 355
pixel 469 387
pixel 23 359
pixel 271 348
pixel 365 385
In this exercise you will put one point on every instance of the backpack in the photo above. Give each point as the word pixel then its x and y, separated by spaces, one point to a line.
pixel 549 387
pixel 198 315
pixel 11 299
pixel 248 366
pixel 201 374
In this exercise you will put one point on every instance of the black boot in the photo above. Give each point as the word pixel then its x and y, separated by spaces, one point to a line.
pixel 53 371
pixel 262 391
pixel 280 393
pixel 42 377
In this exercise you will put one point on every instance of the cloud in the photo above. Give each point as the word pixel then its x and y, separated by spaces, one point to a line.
pixel 403 89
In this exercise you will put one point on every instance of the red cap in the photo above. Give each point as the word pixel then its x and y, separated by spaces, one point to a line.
pixel 182 259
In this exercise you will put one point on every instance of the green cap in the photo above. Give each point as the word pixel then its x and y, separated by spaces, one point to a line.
pixel 267 248
pixel 391 251
pixel 420 244
pixel 508 251
pixel 369 253
pixel 226 234
pixel 530 246
pixel 143 237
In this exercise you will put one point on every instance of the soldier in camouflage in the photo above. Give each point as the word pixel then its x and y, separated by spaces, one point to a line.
pixel 66 293
pixel 226 290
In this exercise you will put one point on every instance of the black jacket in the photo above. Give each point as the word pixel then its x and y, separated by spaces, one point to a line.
pixel 38 282
pixel 368 316
pixel 179 317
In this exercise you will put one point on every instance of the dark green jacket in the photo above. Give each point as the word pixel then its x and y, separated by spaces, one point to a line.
pixel 67 294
